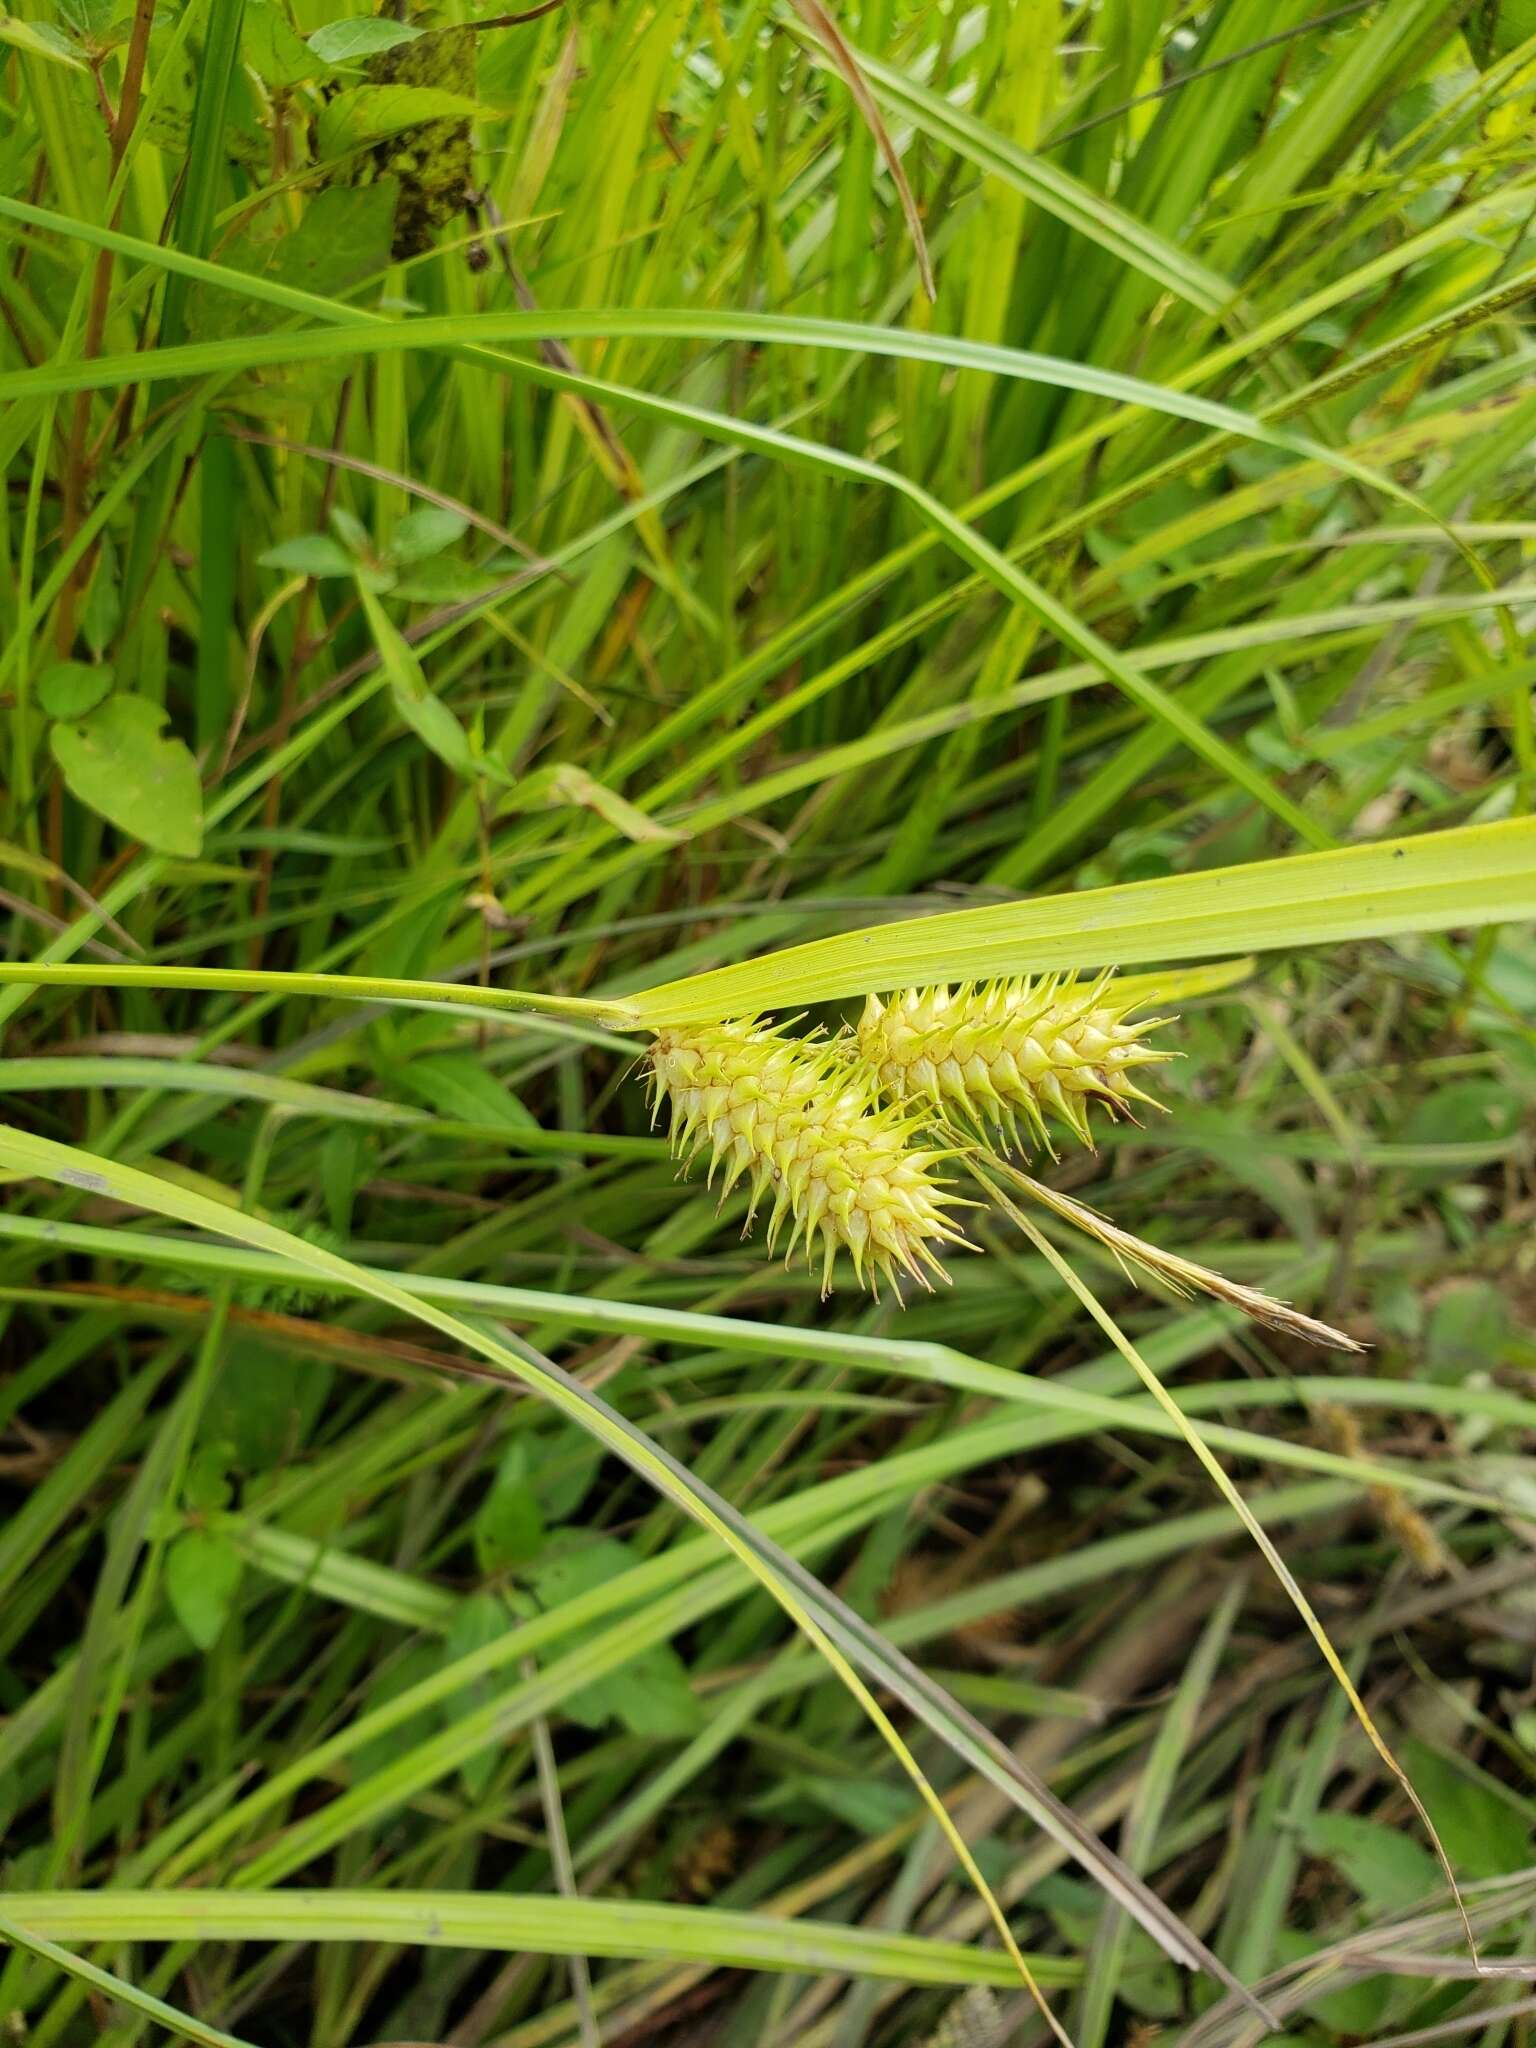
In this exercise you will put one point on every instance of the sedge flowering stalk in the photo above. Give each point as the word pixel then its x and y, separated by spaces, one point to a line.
pixel 1000 1056
pixel 800 1122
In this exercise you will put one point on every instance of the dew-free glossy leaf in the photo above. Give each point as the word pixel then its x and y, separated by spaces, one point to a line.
pixel 118 762
pixel 68 689
pixel 344 42
pixel 202 1570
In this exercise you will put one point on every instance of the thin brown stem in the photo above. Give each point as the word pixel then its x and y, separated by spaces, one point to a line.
pixel 78 459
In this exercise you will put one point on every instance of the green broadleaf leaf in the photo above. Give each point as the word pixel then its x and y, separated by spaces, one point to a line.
pixel 482 1619
pixel 566 1472
pixel 869 1804
pixel 1388 1868
pixel 424 532
pixel 342 238
pixel 116 762
pixel 1467 1330
pixel 273 51
pixel 102 612
pixel 1484 1833
pixel 1353 2010
pixel 444 580
pixel 202 1570
pixel 343 42
pixel 1495 27
pixel 308 554
pixel 508 1525
pixel 650 1695
pixel 369 113
pixel 68 689
pixel 436 727
pixel 264 1402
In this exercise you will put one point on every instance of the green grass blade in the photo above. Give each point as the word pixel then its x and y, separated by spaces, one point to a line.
pixel 1442 881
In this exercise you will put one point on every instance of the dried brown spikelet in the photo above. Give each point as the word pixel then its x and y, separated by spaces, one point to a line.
pixel 1181 1275
pixel 796 1117
pixel 1001 1055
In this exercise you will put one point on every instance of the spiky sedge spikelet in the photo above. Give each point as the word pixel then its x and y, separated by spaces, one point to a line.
pixel 797 1117
pixel 999 1055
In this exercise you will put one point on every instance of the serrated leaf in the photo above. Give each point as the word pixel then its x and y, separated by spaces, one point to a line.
pixel 308 554
pixel 68 689
pixel 117 763
pixel 424 532
pixel 457 1085
pixel 343 42
pixel 368 113
pixel 202 1570
pixel 100 21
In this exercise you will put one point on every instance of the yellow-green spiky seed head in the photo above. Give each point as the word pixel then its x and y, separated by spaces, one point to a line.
pixel 1005 1054
pixel 797 1120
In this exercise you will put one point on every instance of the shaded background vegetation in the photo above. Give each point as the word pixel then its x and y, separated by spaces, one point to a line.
pixel 509 661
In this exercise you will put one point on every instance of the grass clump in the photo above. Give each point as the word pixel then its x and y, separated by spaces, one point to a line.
pixel 536 543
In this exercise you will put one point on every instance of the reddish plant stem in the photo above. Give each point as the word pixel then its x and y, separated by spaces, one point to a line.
pixel 77 462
